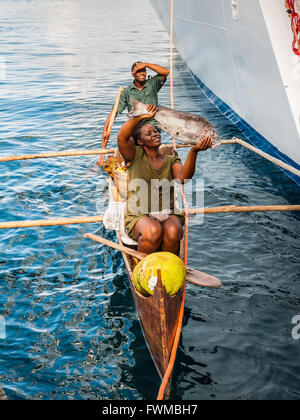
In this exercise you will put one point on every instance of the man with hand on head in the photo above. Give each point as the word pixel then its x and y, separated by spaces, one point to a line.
pixel 143 89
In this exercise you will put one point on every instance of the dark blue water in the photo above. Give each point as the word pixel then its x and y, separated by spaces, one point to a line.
pixel 71 327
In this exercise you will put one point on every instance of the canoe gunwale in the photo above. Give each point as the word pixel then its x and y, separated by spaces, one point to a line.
pixel 159 331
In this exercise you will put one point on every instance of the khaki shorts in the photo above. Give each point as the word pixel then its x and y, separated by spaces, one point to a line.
pixel 131 221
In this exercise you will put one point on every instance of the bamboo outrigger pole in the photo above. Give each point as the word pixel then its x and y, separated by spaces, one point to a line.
pixel 99 219
pixel 245 209
pixel 102 152
pixel 64 153
pixel 50 222
pixel 259 152
pixel 67 153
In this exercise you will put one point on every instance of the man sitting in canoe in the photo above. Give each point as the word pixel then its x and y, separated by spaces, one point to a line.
pixel 139 143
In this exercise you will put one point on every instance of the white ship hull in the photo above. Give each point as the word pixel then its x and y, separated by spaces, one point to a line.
pixel 240 52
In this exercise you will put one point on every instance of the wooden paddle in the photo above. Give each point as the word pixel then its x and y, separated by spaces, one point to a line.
pixel 110 124
pixel 192 276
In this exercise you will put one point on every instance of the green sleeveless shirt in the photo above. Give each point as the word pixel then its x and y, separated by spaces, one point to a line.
pixel 150 190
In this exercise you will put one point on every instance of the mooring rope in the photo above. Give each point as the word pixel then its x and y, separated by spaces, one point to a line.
pixel 295 23
pixel 174 139
pixel 170 367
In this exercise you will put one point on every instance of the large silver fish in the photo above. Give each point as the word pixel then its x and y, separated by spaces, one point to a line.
pixel 188 128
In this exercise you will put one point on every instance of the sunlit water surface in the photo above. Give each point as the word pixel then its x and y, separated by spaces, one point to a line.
pixel 72 331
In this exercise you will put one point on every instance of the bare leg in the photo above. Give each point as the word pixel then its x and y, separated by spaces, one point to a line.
pixel 172 235
pixel 149 234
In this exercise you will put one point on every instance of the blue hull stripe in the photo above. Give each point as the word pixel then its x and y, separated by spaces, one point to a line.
pixel 252 135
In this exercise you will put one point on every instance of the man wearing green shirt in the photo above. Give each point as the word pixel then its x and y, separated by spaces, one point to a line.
pixel 143 89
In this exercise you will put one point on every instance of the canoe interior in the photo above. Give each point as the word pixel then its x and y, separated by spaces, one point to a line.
pixel 158 315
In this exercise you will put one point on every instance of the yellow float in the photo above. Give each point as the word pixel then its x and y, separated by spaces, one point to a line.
pixel 172 270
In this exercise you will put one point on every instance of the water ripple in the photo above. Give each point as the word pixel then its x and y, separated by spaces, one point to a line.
pixel 72 329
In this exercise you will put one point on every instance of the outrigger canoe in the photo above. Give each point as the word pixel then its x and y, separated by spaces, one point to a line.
pixel 158 315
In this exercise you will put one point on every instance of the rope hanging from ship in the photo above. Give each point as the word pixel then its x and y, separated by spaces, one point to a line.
pixel 295 23
pixel 169 370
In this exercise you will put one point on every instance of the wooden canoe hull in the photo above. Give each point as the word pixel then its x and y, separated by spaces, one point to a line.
pixel 158 315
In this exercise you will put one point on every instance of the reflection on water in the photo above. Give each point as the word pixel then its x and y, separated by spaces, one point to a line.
pixel 72 330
